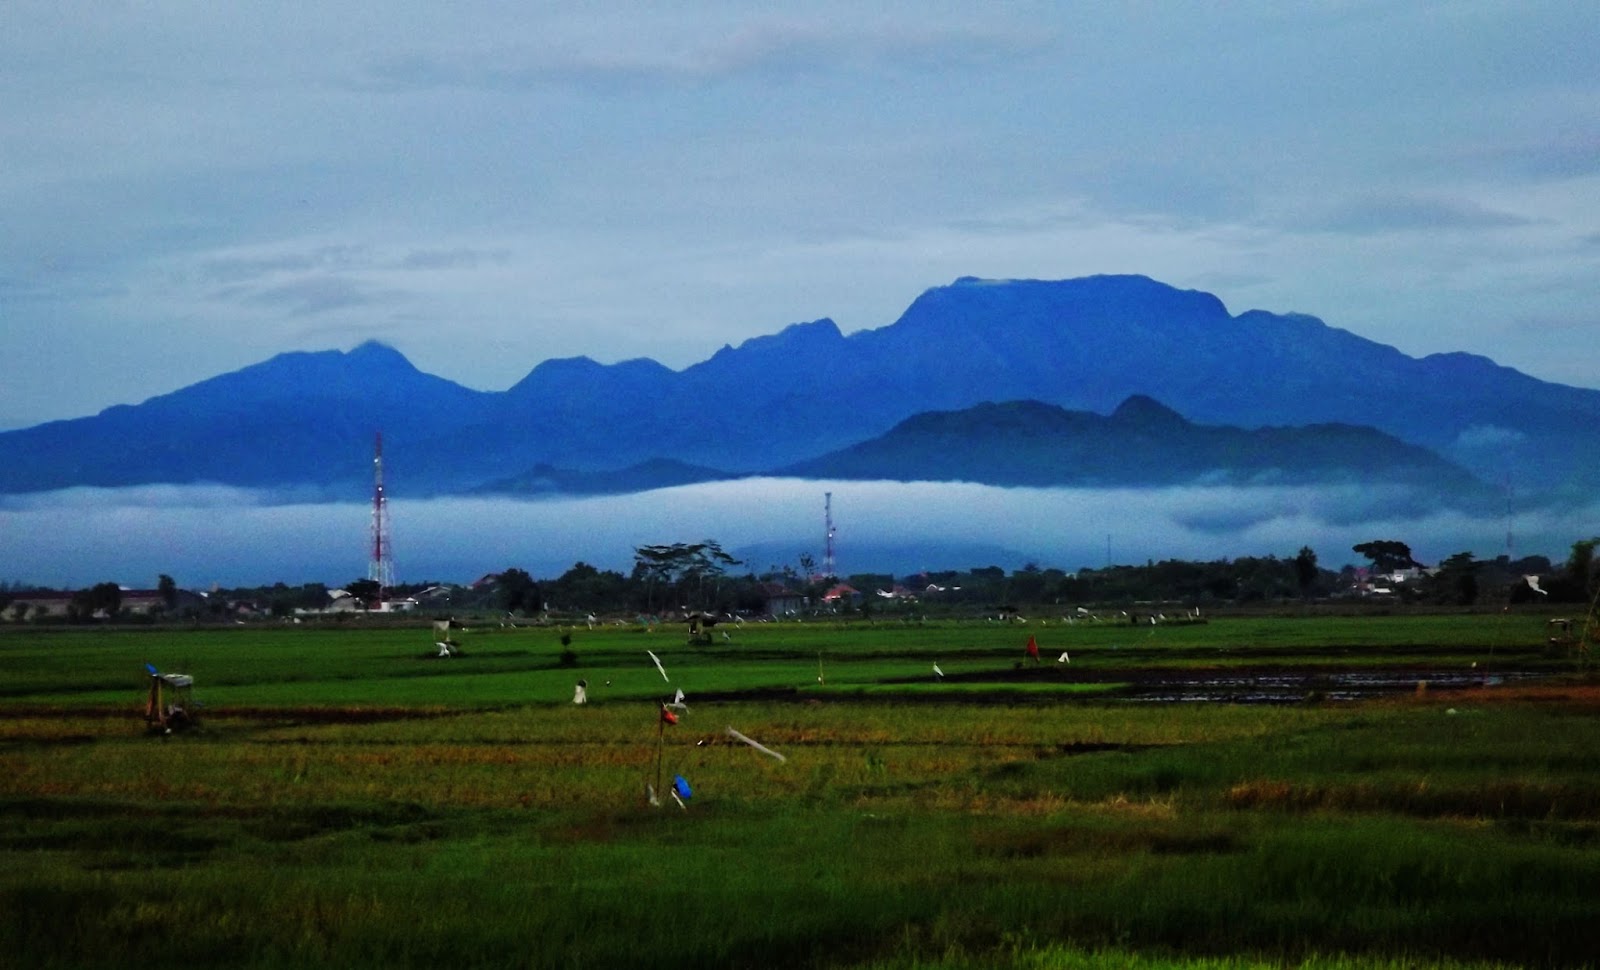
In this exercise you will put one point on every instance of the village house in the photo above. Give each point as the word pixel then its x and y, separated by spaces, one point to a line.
pixel 842 595
pixel 57 604
pixel 782 601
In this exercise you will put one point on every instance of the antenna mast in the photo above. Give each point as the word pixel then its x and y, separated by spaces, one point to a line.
pixel 828 566
pixel 381 569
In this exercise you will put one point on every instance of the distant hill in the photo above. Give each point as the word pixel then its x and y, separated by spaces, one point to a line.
pixel 306 420
pixel 298 420
pixel 1141 444
pixel 643 477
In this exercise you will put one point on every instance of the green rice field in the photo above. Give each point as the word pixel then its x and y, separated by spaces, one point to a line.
pixel 1333 792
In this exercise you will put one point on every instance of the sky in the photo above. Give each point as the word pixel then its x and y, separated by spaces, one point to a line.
pixel 188 188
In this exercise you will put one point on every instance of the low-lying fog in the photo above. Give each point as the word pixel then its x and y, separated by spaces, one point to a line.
pixel 201 535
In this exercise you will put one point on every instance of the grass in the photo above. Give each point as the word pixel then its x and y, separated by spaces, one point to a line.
pixel 349 801
pixel 345 665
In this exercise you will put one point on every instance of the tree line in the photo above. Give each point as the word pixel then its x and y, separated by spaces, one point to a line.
pixel 667 579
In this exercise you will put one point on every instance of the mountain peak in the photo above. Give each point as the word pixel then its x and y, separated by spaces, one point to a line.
pixel 375 350
pixel 1087 305
pixel 300 372
pixel 570 378
pixel 580 364
pixel 1147 412
pixel 796 336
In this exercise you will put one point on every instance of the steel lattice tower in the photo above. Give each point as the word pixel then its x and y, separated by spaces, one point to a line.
pixel 381 568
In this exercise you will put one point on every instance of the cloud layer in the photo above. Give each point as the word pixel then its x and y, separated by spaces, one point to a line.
pixel 202 536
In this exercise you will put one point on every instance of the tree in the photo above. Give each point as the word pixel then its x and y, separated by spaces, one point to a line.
pixel 1305 570
pixel 1387 555
pixel 217 602
pixel 517 591
pixel 1580 566
pixel 684 566
pixel 584 587
pixel 168 590
pixel 101 597
pixel 1027 585
pixel 1456 580
pixel 313 596
pixel 708 563
pixel 368 591
pixel 659 566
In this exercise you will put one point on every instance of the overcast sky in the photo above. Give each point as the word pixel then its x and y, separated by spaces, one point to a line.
pixel 189 188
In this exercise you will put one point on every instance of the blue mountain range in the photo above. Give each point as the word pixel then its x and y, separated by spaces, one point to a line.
pixel 1102 379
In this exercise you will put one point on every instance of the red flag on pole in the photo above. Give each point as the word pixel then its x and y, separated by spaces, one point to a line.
pixel 1033 648
pixel 667 717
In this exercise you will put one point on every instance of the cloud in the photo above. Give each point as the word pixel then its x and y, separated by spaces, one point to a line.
pixel 762 50
pixel 1548 156
pixel 235 537
pixel 315 278
pixel 91 499
pixel 244 268
pixel 461 257
pixel 1372 215
pixel 314 295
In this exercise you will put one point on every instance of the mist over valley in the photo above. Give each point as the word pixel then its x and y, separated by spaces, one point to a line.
pixel 235 537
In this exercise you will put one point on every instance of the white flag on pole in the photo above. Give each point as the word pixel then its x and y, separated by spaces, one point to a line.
pixel 755 744
pixel 659 667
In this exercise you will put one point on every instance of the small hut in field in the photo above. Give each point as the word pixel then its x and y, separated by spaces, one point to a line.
pixel 170 705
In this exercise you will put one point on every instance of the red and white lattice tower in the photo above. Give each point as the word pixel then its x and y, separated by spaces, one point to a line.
pixel 829 567
pixel 381 568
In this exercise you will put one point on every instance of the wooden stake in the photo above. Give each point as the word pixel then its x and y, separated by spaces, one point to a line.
pixel 661 741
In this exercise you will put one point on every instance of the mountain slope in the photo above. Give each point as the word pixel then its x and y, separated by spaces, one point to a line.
pixel 306 420
pixel 545 479
pixel 1141 444
pixel 1089 343
pixel 1085 344
pixel 296 420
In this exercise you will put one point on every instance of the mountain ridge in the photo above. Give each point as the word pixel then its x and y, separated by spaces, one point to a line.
pixel 307 418
pixel 1141 444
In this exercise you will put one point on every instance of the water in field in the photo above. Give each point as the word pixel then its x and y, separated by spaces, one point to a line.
pixel 1288 686
pixel 1260 685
